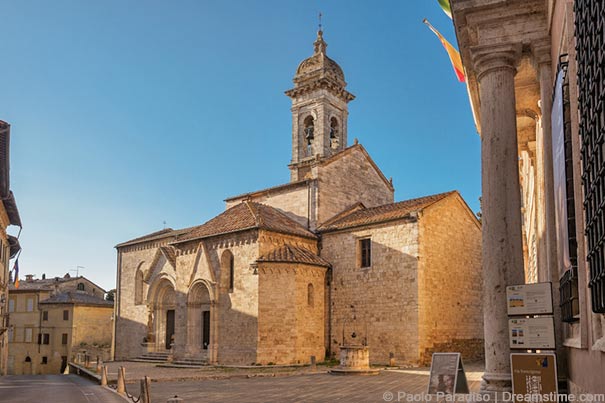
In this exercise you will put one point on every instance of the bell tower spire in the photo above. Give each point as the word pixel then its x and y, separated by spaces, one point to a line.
pixel 319 110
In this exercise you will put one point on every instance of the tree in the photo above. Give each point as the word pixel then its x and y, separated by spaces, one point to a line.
pixel 110 296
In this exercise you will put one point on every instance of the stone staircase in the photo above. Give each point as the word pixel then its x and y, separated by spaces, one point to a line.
pixel 186 363
pixel 154 357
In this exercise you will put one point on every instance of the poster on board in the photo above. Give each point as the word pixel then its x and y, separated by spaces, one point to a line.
pixel 531 333
pixel 447 375
pixel 529 299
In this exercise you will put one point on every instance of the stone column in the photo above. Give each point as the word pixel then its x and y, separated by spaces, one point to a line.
pixel 502 249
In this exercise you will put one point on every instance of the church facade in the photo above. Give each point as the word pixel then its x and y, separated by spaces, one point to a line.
pixel 300 269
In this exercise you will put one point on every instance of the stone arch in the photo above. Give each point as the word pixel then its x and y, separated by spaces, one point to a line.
pixel 200 319
pixel 334 133
pixel 308 133
pixel 162 313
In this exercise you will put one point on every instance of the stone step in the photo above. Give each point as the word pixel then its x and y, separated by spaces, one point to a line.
pixel 182 364
pixel 151 360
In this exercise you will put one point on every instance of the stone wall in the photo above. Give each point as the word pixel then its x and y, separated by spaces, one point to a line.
pixel 291 328
pixel 379 303
pixel 92 325
pixel 131 319
pixel 296 201
pixel 348 179
pixel 449 298
pixel 236 311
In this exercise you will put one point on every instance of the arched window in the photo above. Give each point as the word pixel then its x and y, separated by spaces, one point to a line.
pixel 309 130
pixel 310 296
pixel 228 268
pixel 80 286
pixel 138 288
pixel 334 143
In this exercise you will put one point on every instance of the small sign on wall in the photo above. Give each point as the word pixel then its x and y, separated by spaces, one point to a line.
pixel 529 299
pixel 531 333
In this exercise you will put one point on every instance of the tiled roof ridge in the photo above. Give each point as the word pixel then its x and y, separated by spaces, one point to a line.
pixel 288 253
pixel 388 211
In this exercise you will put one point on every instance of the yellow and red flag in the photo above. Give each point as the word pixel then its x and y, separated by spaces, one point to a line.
pixel 451 51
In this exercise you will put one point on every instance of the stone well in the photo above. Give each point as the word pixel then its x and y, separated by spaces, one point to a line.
pixel 354 360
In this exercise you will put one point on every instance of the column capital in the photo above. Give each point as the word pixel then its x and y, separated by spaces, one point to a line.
pixel 540 50
pixel 486 58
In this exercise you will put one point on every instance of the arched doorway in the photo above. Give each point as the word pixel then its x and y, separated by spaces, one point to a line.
pixel 163 308
pixel 199 324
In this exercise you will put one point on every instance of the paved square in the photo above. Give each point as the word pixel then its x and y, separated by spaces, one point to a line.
pixel 390 385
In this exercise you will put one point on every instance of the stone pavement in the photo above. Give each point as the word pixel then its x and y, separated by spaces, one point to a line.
pixel 390 385
pixel 54 389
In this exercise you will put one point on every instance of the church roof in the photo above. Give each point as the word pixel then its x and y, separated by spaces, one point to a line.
pixel 293 254
pixel 271 189
pixel 360 215
pixel 244 216
pixel 77 298
pixel 164 233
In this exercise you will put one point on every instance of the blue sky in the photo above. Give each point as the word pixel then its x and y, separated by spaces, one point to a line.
pixel 126 114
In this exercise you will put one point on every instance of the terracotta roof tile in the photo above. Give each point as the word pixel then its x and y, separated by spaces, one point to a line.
pixel 77 298
pixel 247 215
pixel 293 254
pixel 39 284
pixel 386 212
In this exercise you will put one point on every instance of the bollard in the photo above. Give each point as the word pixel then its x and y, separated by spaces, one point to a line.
pixel 175 399
pixel 391 360
pixel 99 366
pixel 313 363
pixel 145 390
pixel 104 376
pixel 121 381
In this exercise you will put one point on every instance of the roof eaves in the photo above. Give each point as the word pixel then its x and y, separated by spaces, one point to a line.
pixel 181 241
pixel 411 216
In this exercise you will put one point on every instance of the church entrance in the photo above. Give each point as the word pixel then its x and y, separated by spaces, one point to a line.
pixel 199 321
pixel 169 328
pixel 162 324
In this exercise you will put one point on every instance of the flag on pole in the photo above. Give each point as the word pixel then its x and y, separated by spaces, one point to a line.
pixel 16 270
pixel 451 51
pixel 445 5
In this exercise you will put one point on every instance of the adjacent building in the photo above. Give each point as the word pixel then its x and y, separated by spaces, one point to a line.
pixel 300 269
pixel 536 77
pixel 51 320
pixel 9 245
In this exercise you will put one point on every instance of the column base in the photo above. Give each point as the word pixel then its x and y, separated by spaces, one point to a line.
pixel 497 385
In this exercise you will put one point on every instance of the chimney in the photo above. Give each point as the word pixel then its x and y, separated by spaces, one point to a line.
pixel 29 278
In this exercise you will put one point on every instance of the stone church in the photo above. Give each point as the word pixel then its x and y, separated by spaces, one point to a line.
pixel 298 270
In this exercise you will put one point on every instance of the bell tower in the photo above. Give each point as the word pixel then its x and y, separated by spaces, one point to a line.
pixel 319 111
